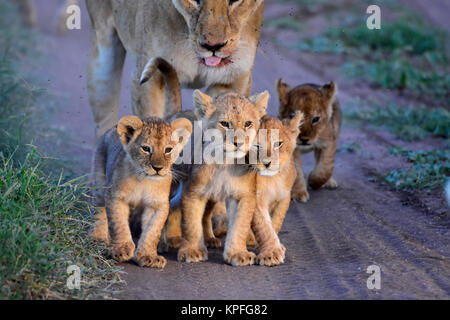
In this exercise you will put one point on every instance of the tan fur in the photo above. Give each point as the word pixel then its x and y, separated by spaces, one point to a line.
pixel 132 167
pixel 316 102
pixel 275 179
pixel 233 183
pixel 173 30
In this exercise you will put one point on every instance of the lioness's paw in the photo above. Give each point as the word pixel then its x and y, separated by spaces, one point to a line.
pixel 192 255
pixel 123 251
pixel 213 243
pixel 331 184
pixel 150 261
pixel 271 257
pixel 300 195
pixel 244 258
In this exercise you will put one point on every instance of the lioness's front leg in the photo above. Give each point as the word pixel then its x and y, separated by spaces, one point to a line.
pixel 240 218
pixel 323 171
pixel 192 246
pixel 118 213
pixel 299 191
pixel 153 220
pixel 271 250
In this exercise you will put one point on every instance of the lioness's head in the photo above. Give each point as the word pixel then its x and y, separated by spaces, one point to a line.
pixel 153 145
pixel 276 143
pixel 316 103
pixel 215 27
pixel 235 116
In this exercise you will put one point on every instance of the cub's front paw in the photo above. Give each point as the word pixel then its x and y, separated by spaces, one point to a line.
pixel 186 254
pixel 150 261
pixel 300 195
pixel 213 243
pixel 243 258
pixel 271 257
pixel 123 251
pixel 331 184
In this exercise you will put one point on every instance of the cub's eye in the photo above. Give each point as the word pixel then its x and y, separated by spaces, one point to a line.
pixel 277 145
pixel 233 1
pixel 196 1
pixel 225 124
pixel 146 149
pixel 168 150
pixel 248 124
pixel 315 120
pixel 292 116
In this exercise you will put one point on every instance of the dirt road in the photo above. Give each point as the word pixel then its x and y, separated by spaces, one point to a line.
pixel 330 241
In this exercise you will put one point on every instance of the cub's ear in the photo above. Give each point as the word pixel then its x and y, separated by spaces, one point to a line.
pixel 181 132
pixel 203 105
pixel 283 92
pixel 129 128
pixel 296 123
pixel 329 91
pixel 261 102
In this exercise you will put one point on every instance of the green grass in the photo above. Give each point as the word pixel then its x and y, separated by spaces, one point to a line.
pixel 45 216
pixel 406 54
pixel 428 170
pixel 44 229
pixel 406 123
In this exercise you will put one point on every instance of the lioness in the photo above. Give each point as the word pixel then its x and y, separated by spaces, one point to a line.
pixel 211 43
pixel 234 183
pixel 132 165
pixel 320 131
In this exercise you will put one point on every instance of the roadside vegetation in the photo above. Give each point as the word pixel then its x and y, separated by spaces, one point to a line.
pixel 406 57
pixel 45 217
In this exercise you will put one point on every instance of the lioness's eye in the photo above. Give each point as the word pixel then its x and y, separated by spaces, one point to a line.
pixel 248 124
pixel 168 150
pixel 146 149
pixel 277 145
pixel 315 120
pixel 225 124
pixel 196 1
pixel 232 1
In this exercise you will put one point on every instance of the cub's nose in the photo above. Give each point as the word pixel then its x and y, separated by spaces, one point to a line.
pixel 304 141
pixel 157 168
pixel 238 145
pixel 213 47
pixel 267 164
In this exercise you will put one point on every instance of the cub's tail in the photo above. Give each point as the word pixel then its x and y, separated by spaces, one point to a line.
pixel 173 90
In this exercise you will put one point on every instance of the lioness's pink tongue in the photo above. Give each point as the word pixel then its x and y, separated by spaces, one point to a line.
pixel 213 61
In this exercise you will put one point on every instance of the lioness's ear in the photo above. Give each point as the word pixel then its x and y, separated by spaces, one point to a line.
pixel 128 128
pixel 203 105
pixel 296 123
pixel 283 92
pixel 261 101
pixel 329 91
pixel 182 130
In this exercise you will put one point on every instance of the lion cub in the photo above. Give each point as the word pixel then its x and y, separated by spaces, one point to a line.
pixel 274 181
pixel 229 114
pixel 320 131
pixel 132 165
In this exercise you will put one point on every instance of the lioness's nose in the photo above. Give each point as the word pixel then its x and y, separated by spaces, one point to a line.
pixel 267 164
pixel 304 141
pixel 213 47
